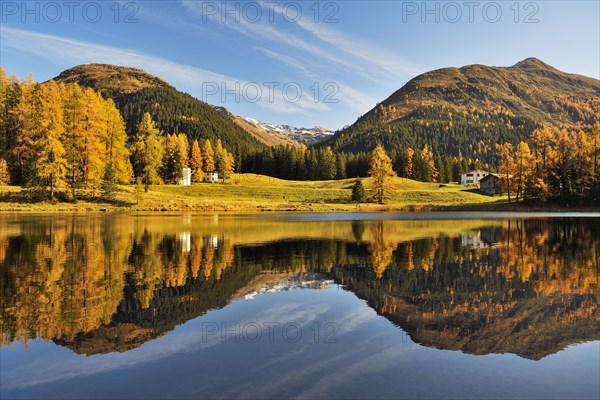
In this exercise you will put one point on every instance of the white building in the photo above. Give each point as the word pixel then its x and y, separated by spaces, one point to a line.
pixel 211 177
pixel 473 177
pixel 186 180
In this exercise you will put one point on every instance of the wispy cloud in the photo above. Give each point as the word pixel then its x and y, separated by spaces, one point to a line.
pixel 287 60
pixel 270 32
pixel 370 53
pixel 318 52
pixel 351 97
pixel 71 51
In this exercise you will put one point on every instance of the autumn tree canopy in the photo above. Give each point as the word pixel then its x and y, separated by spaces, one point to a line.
pixel 380 169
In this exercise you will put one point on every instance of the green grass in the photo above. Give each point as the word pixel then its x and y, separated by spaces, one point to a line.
pixel 249 192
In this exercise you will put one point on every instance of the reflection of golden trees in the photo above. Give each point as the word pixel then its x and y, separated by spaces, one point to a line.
pixel 68 275
pixel 381 250
pixel 62 267
pixel 553 260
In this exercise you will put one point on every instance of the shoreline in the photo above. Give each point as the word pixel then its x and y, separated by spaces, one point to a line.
pixel 245 207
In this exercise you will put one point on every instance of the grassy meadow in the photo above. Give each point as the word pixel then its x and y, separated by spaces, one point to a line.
pixel 250 192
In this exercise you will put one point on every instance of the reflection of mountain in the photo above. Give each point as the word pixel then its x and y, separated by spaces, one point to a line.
pixel 458 306
pixel 132 325
pixel 100 285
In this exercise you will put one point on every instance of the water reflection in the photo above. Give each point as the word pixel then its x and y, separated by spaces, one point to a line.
pixel 111 283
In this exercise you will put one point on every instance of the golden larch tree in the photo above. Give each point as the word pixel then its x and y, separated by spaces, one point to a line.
pixel 208 155
pixel 380 168
pixel 523 160
pixel 196 163
pixel 507 163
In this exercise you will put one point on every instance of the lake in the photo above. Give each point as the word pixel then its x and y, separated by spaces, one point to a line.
pixel 435 305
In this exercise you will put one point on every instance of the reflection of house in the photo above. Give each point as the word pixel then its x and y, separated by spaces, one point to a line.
pixel 211 241
pixel 491 236
pixel 483 238
pixel 186 241
pixel 472 240
pixel 473 177
pixel 211 177
pixel 493 184
pixel 186 179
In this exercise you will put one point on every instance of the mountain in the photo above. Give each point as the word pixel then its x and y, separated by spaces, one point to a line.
pixel 275 135
pixel 469 109
pixel 262 135
pixel 305 136
pixel 136 92
pixel 108 79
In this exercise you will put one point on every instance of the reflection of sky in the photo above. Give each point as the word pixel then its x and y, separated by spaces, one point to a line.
pixel 372 358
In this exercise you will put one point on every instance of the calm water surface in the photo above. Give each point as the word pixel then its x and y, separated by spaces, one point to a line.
pixel 309 306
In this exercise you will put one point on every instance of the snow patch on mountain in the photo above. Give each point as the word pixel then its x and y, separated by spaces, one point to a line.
pixel 305 136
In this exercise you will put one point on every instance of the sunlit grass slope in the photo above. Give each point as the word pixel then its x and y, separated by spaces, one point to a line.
pixel 249 192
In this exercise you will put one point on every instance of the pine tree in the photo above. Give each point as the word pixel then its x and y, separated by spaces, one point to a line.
pixel 359 194
pixel 441 168
pixel 326 162
pixel 340 166
pixel 312 165
pixel 448 168
pixel 421 168
pixel 147 152
pixel 380 169
pixel 196 163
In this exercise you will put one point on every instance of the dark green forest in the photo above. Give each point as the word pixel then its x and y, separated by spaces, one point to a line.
pixel 445 130
pixel 177 112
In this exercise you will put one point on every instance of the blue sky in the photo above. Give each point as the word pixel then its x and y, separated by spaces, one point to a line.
pixel 264 60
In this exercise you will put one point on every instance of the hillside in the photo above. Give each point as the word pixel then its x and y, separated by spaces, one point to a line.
pixel 469 109
pixel 110 79
pixel 135 92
